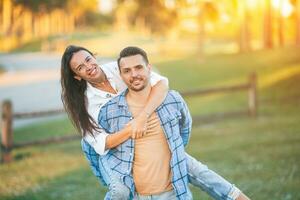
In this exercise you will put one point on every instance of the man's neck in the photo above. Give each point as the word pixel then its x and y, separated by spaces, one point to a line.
pixel 138 98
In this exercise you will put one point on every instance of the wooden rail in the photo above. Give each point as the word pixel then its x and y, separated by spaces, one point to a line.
pixel 250 86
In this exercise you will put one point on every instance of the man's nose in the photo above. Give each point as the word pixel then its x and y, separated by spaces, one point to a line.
pixel 134 73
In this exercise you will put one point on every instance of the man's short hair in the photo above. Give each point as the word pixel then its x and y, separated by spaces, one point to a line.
pixel 132 51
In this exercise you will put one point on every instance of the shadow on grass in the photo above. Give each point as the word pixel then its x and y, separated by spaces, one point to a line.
pixel 21 155
pixel 76 185
pixel 284 91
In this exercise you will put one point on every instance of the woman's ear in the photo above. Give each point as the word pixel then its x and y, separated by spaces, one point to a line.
pixel 77 78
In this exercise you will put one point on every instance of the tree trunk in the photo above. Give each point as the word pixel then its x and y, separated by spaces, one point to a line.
pixel 298 22
pixel 201 22
pixel 280 25
pixel 244 33
pixel 268 40
pixel 6 16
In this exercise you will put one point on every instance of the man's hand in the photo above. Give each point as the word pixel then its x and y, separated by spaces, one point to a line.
pixel 139 125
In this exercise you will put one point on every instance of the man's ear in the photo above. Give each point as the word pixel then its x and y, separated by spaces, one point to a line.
pixel 149 67
pixel 77 78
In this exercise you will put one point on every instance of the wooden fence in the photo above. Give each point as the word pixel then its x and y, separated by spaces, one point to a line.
pixel 7 144
pixel 250 87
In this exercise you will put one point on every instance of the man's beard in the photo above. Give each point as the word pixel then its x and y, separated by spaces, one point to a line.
pixel 140 87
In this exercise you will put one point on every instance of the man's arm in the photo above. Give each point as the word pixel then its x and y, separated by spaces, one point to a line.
pixel 185 122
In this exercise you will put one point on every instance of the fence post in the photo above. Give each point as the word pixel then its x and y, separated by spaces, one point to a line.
pixel 6 137
pixel 252 95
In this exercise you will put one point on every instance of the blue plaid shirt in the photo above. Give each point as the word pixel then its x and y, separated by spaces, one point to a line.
pixel 176 122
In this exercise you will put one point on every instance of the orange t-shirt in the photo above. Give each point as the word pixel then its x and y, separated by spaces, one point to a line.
pixel 151 165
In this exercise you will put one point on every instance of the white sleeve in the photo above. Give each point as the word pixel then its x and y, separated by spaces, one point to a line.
pixel 155 78
pixel 97 141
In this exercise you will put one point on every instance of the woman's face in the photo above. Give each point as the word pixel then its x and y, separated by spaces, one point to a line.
pixel 85 66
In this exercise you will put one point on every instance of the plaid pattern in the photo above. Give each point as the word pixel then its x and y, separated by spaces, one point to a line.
pixel 93 159
pixel 176 122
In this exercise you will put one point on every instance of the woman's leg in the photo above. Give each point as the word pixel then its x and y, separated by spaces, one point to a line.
pixel 213 184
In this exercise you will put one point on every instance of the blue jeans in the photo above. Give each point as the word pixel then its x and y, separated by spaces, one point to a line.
pixel 213 184
pixel 117 190
pixel 199 175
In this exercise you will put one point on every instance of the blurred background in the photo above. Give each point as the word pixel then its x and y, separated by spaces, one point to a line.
pixel 251 136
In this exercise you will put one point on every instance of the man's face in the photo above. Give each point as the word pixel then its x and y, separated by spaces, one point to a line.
pixel 85 66
pixel 135 72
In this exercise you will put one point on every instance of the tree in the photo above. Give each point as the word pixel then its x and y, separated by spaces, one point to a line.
pixel 41 5
pixel 208 13
pixel 152 15
pixel 297 22
pixel 280 24
pixel 267 29
pixel 244 32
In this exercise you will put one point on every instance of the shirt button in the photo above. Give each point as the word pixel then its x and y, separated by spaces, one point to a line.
pixel 131 118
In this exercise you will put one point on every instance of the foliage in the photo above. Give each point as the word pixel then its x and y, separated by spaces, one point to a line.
pixel 97 20
pixel 44 5
pixel 151 14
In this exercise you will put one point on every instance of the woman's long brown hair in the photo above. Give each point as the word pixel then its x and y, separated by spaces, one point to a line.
pixel 73 94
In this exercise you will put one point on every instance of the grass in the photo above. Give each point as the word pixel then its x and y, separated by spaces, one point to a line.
pixel 31 46
pixel 1 69
pixel 36 44
pixel 260 156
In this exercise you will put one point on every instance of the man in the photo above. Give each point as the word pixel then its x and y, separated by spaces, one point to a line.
pixel 154 165
pixel 86 87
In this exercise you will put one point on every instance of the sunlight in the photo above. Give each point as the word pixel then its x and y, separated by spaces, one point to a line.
pixel 287 9
pixel 252 4
pixel 279 75
pixel 284 5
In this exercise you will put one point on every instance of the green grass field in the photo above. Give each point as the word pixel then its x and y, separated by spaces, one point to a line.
pixel 260 156
pixel 1 69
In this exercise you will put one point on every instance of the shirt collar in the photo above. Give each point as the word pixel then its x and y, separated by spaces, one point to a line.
pixel 92 91
pixel 122 98
pixel 108 73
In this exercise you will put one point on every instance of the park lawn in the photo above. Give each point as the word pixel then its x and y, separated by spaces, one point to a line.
pixel 260 156
pixel 1 69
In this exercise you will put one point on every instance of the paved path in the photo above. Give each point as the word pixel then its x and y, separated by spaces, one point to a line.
pixel 31 82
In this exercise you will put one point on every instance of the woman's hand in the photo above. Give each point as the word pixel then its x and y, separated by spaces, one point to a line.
pixel 139 125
